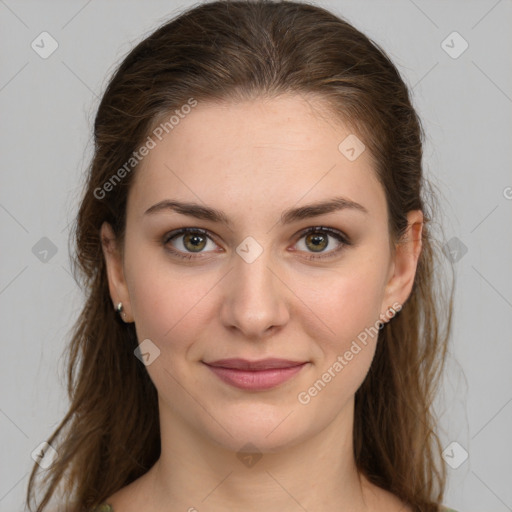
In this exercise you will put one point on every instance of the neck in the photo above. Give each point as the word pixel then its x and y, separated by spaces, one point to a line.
pixel 194 473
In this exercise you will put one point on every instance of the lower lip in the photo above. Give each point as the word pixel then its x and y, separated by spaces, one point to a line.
pixel 256 380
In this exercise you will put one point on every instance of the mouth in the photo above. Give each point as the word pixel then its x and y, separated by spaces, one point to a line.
pixel 255 375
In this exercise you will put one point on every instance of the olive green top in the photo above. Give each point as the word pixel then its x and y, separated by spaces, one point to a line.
pixel 105 507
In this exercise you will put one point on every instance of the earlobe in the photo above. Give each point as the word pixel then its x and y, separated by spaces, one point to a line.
pixel 115 273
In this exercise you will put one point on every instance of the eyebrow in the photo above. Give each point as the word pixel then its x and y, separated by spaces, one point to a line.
pixel 287 217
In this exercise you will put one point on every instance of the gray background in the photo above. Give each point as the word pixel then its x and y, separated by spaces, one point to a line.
pixel 47 108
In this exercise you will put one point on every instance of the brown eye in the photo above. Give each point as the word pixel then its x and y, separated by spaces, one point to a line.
pixel 187 241
pixel 194 242
pixel 318 239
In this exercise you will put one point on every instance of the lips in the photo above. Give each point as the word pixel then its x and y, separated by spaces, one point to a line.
pixel 255 375
pixel 264 364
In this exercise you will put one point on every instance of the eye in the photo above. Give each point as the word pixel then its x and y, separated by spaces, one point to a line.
pixel 316 239
pixel 188 241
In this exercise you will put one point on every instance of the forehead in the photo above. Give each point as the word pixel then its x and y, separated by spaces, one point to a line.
pixel 254 153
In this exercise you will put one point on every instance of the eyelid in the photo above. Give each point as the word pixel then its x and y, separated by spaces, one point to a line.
pixel 183 231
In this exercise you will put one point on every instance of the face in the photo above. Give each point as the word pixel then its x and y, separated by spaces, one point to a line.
pixel 271 279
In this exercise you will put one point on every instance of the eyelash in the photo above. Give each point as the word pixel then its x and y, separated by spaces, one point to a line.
pixel 338 235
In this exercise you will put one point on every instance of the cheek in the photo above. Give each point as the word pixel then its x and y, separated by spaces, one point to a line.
pixel 349 310
pixel 169 311
pixel 166 302
pixel 344 304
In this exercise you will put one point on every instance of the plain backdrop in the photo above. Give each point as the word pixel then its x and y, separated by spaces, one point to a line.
pixel 464 98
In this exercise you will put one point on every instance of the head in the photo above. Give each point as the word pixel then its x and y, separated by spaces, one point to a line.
pixel 260 283
pixel 255 126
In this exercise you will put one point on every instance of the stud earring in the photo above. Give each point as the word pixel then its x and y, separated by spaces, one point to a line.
pixel 119 309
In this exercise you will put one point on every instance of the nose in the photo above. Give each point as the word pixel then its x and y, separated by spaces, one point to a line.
pixel 255 298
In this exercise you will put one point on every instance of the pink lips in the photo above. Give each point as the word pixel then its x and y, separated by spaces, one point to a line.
pixel 255 375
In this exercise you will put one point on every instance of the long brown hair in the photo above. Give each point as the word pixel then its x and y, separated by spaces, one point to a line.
pixel 230 51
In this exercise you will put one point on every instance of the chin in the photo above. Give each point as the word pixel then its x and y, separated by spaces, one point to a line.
pixel 257 441
pixel 266 427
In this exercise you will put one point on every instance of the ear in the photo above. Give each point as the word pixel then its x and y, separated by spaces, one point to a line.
pixel 403 267
pixel 115 272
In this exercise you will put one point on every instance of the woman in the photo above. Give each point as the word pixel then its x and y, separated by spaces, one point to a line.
pixel 262 329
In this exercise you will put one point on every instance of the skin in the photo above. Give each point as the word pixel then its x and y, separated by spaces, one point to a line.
pixel 253 160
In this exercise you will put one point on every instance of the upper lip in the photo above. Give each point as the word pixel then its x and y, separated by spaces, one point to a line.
pixel 262 364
